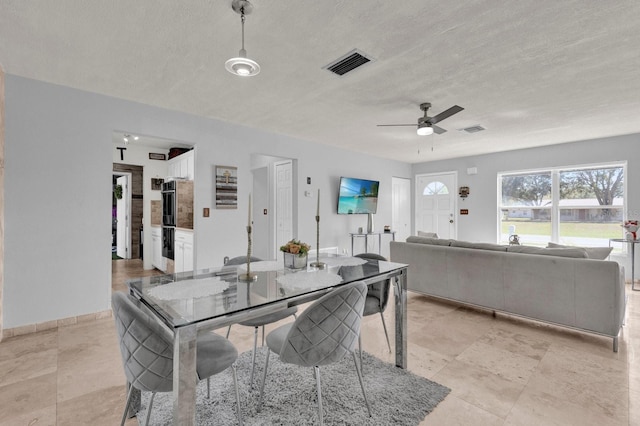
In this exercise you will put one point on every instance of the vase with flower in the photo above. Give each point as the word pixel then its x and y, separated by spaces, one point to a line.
pixel 295 254
pixel 631 226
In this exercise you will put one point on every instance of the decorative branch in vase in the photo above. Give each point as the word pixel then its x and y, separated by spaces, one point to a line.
pixel 317 264
pixel 249 276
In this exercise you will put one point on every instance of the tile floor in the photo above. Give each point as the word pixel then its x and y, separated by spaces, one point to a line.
pixel 502 371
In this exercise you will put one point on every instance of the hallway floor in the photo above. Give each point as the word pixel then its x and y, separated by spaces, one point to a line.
pixel 502 371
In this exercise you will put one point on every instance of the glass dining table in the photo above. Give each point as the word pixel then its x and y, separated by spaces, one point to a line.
pixel 208 299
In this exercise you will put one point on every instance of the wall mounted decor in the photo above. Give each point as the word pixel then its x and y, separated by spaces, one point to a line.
pixel 157 156
pixel 226 187
pixel 156 183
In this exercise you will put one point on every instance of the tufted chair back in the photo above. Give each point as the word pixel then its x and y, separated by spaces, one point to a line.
pixel 328 329
pixel 240 260
pixel 378 290
pixel 146 347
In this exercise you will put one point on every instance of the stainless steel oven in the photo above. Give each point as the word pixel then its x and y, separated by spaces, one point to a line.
pixel 169 206
pixel 169 203
pixel 168 241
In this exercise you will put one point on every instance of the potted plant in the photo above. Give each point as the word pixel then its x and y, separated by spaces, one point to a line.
pixel 117 191
pixel 295 254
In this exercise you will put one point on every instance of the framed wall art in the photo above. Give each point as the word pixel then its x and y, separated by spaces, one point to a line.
pixel 156 156
pixel 156 184
pixel 226 187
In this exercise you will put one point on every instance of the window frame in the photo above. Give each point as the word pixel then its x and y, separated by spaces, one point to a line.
pixel 555 193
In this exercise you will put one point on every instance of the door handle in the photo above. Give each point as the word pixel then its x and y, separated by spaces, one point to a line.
pixel 450 220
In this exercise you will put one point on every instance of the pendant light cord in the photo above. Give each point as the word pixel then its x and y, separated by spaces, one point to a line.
pixel 242 18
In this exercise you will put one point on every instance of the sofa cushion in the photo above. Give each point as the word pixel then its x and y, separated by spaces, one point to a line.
pixel 431 241
pixel 600 253
pixel 574 252
pixel 481 246
pixel 427 234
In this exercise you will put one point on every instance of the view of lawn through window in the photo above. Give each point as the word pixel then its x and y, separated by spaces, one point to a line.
pixel 572 206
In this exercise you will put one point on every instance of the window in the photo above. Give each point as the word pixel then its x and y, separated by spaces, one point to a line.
pixel 436 188
pixel 526 207
pixel 573 206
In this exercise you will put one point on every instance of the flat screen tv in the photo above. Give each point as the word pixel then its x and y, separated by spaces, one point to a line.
pixel 358 196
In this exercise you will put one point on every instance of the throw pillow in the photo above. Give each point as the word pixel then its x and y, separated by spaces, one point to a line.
pixel 431 241
pixel 600 253
pixel 427 234
pixel 481 246
pixel 574 252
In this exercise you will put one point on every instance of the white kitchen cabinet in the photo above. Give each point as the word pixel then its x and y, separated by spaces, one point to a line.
pixel 172 169
pixel 190 165
pixel 183 250
pixel 182 166
pixel 156 240
pixel 188 256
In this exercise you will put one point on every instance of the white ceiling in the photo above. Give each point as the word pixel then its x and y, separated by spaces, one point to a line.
pixel 531 72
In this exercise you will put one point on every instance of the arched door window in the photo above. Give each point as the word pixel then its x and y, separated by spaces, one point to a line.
pixel 436 188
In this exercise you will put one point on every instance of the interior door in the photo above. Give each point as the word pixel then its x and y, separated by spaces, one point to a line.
pixel 436 204
pixel 401 207
pixel 283 205
pixel 123 236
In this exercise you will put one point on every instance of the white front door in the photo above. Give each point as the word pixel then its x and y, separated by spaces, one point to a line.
pixel 123 236
pixel 401 207
pixel 436 204
pixel 284 205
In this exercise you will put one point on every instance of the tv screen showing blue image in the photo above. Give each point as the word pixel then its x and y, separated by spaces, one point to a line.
pixel 358 196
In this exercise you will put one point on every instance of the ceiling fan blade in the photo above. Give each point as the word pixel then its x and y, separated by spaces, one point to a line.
pixel 437 130
pixel 445 114
pixel 394 125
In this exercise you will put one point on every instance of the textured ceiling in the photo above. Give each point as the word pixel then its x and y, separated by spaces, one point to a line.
pixel 531 72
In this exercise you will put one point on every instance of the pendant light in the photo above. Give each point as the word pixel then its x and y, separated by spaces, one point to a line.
pixel 242 65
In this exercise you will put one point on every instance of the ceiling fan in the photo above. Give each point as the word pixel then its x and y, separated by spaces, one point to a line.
pixel 427 125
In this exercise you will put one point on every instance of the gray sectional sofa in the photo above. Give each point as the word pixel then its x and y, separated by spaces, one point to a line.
pixel 560 286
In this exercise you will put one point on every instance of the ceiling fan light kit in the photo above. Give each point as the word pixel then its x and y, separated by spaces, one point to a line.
pixel 427 125
pixel 241 65
pixel 425 130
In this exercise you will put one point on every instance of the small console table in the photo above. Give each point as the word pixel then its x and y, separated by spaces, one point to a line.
pixel 366 236
pixel 632 244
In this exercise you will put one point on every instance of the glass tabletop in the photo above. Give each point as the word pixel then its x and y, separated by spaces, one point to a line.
pixel 191 297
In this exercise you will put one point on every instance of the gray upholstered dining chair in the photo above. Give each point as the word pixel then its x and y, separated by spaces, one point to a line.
pixel 256 323
pixel 377 299
pixel 147 353
pixel 323 334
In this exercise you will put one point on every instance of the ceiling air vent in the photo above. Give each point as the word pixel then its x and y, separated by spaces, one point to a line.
pixel 348 62
pixel 472 129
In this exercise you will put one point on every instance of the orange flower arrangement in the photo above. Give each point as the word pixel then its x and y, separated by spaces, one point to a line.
pixel 296 247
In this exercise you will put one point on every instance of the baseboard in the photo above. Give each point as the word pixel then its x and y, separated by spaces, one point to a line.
pixel 54 324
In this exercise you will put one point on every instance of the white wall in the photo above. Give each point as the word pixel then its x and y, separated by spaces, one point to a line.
pixel 58 163
pixel 138 155
pixel 481 223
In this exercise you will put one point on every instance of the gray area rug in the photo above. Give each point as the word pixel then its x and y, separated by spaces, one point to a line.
pixel 396 396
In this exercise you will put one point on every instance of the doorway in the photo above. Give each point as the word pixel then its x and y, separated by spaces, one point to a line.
pixel 133 206
pixel 120 217
pixel 401 207
pixel 436 204
pixel 274 197
pixel 283 202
